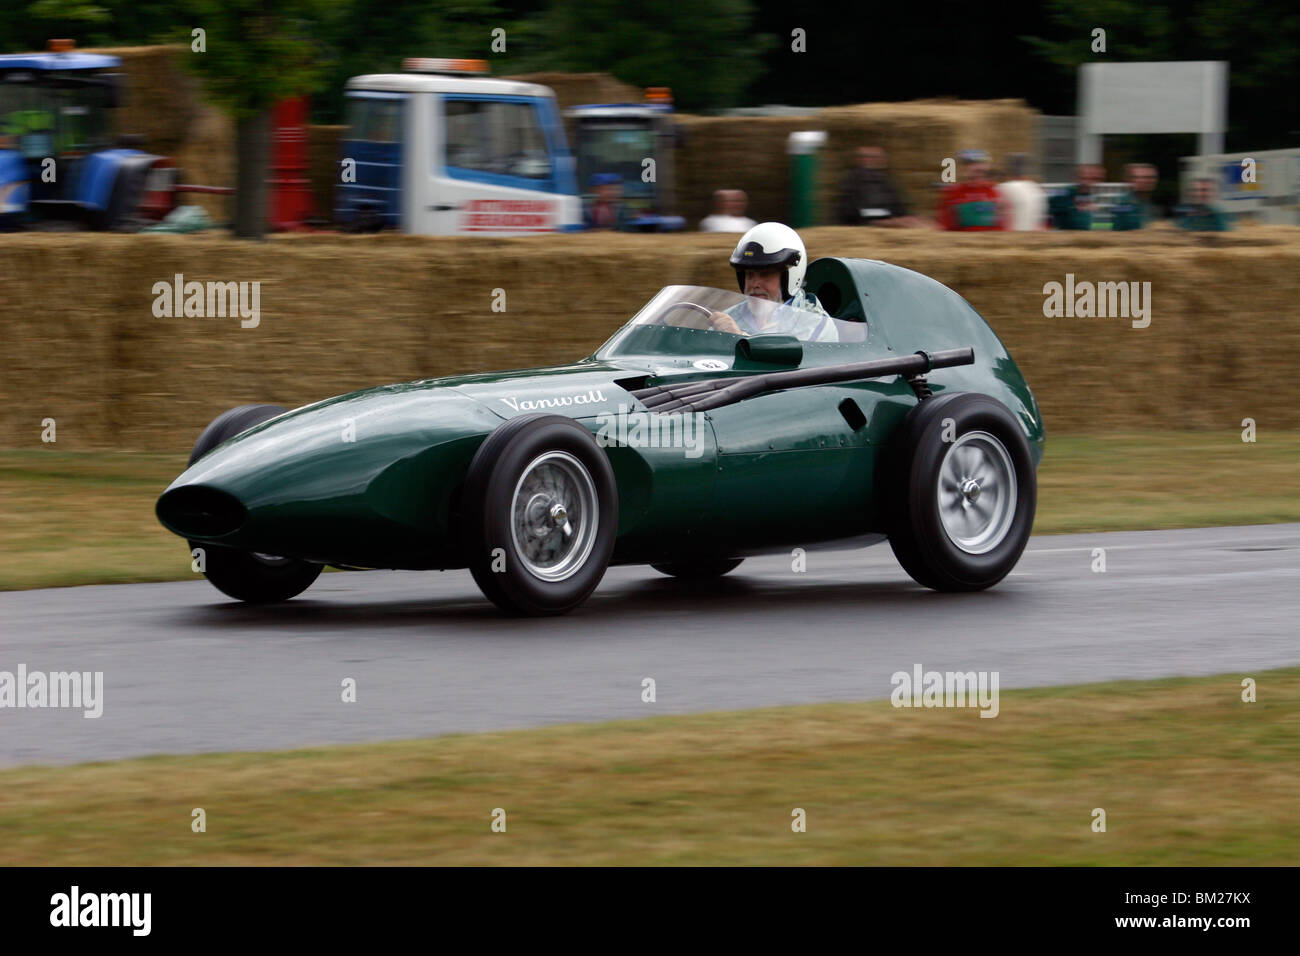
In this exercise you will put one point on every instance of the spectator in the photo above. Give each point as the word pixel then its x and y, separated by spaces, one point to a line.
pixel 1201 214
pixel 868 198
pixel 1076 207
pixel 13 179
pixel 728 212
pixel 606 211
pixel 972 203
pixel 1023 197
pixel 1136 210
pixel 1142 180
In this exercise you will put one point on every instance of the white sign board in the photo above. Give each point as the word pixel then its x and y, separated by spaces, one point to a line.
pixel 1180 97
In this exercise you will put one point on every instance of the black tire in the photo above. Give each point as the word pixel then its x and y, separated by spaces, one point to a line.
pixel 231 423
pixel 698 570
pixel 242 575
pixel 928 527
pixel 520 577
pixel 256 579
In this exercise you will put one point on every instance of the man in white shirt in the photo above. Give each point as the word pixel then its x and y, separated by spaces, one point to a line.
pixel 728 212
pixel 1023 198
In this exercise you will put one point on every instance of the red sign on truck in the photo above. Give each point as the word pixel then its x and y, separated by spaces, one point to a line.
pixel 515 215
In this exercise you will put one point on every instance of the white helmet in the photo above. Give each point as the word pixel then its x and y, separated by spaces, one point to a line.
pixel 772 244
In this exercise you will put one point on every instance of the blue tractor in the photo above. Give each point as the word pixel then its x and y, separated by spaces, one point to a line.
pixel 60 164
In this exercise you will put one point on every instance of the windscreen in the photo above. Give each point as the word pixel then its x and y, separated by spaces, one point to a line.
pixel 719 317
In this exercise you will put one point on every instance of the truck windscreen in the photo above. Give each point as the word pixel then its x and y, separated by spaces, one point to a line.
pixel 615 148
pixel 55 115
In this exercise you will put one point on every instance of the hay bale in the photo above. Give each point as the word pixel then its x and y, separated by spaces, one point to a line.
pixel 749 152
pixel 918 136
pixel 161 98
pixel 57 364
pixel 207 158
pixel 164 103
pixel 579 89
pixel 344 312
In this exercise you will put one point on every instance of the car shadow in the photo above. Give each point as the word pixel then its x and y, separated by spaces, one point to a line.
pixel 748 595
pixel 645 602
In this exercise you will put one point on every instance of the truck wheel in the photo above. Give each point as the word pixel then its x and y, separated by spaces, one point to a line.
pixel 698 570
pixel 243 575
pixel 539 515
pixel 963 492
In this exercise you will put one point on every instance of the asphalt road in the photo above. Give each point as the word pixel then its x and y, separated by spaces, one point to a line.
pixel 186 670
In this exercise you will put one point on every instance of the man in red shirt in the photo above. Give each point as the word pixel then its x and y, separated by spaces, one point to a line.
pixel 972 203
pixel 606 211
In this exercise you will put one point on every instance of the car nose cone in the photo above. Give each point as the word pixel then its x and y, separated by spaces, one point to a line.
pixel 196 511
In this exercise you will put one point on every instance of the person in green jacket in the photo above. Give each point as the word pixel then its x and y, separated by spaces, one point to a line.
pixel 1135 210
pixel 1201 214
pixel 1074 208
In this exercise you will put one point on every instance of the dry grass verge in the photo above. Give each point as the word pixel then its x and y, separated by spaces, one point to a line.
pixel 1187 773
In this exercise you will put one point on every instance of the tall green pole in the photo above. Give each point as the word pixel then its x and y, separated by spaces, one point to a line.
pixel 803 149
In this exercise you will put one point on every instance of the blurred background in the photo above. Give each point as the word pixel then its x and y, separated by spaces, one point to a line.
pixel 408 159
pixel 419 189
pixel 1014 70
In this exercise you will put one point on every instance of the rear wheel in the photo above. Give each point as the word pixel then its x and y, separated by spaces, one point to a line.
pixel 698 570
pixel 963 492
pixel 539 515
pixel 245 575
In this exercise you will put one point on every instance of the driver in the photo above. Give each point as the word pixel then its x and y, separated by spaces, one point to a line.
pixel 770 262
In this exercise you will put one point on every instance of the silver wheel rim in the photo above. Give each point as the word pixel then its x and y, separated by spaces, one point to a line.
pixel 272 559
pixel 977 492
pixel 553 516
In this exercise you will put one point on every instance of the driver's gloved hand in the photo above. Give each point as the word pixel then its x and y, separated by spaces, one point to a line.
pixel 721 322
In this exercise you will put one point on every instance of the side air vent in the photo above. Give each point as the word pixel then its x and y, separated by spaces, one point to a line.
pixel 852 414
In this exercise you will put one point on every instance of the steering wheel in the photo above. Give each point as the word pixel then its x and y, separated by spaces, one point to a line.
pixel 662 318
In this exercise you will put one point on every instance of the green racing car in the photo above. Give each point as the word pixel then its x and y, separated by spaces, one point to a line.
pixel 675 444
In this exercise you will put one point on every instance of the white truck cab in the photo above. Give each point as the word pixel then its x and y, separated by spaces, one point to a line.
pixel 443 149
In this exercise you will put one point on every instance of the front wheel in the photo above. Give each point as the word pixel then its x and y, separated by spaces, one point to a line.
pixel 256 578
pixel 539 515
pixel 964 492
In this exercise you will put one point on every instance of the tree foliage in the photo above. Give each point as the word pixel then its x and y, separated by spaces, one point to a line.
pixel 706 50
pixel 256 52
pixel 1258 38
pixel 374 36
pixel 92 23
pixel 716 53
